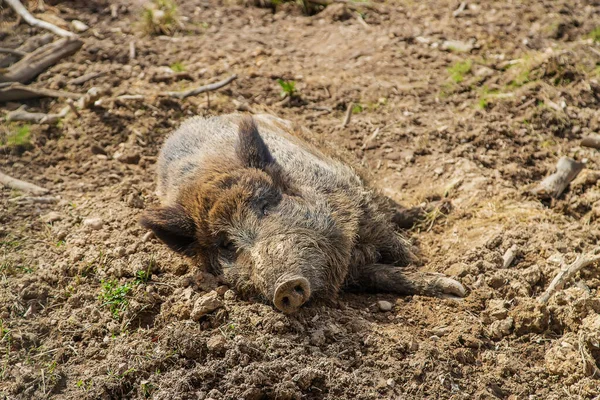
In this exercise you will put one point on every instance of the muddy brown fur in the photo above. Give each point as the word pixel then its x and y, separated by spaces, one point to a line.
pixel 250 198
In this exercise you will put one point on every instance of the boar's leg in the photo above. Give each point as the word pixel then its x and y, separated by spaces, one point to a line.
pixel 388 278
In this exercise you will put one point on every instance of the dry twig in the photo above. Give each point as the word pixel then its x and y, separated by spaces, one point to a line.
pixel 14 91
pixel 14 52
pixel 28 46
pixel 22 12
pixel 567 272
pixel 552 186
pixel 21 114
pixel 87 77
pixel 38 61
pixel 348 115
pixel 202 89
pixel 18 184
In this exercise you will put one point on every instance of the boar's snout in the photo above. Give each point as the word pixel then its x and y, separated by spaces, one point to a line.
pixel 291 294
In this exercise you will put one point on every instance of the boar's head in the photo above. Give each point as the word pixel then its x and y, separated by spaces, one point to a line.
pixel 244 218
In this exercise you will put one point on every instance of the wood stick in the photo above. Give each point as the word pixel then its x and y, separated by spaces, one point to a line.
pixel 460 9
pixel 27 47
pixel 592 141
pixel 14 52
pixel 38 61
pixel 348 115
pixel 509 256
pixel 87 77
pixel 349 3
pixel 23 186
pixel 21 114
pixel 16 91
pixel 33 200
pixel 21 11
pixel 553 186
pixel 567 272
pixel 202 89
pixel 132 50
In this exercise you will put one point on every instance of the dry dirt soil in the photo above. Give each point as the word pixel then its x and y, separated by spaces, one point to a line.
pixel 475 107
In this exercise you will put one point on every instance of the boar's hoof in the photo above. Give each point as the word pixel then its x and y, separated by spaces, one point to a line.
pixel 449 288
pixel 291 294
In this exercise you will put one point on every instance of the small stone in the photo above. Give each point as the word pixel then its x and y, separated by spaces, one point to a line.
pixel 438 171
pixel 119 251
pixel 390 382
pixel 79 26
pixel 317 338
pixel 51 217
pixel 93 223
pixel 127 157
pixel 460 270
pixel 132 248
pixel 501 328
pixel 147 236
pixel 205 305
pixel 134 200
pixel 221 290
pixel 532 274
pixel 216 344
pixel 457 45
pixel 229 295
pixel 98 150
pixel 61 235
pixel 384 305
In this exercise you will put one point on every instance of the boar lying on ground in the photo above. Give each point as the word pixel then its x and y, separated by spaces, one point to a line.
pixel 247 197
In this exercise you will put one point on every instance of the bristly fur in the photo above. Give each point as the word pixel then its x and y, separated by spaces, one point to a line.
pixel 251 199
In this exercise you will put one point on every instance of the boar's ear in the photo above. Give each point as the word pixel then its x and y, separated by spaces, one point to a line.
pixel 173 226
pixel 250 147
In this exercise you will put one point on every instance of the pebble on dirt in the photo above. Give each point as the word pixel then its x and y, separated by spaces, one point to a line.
pixel 93 223
pixel 205 305
pixel 384 305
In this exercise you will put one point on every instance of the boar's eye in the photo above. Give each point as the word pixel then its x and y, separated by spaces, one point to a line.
pixel 265 209
pixel 228 246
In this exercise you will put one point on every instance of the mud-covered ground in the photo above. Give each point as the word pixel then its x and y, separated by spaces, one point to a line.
pixel 476 106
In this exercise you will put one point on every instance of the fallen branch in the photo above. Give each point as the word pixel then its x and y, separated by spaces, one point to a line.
pixel 33 200
pixel 567 272
pixel 460 9
pixel 21 11
pixel 592 141
pixel 18 184
pixel 21 114
pixel 202 89
pixel 87 77
pixel 16 91
pixel 13 52
pixel 348 115
pixel 38 61
pixel 27 47
pixel 349 3
pixel 552 186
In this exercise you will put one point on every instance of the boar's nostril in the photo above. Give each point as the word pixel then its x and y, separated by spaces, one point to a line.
pixel 291 294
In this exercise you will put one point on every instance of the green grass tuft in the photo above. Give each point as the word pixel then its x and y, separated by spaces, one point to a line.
pixel 19 138
pixel 595 34
pixel 459 70
pixel 114 296
pixel 288 88
pixel 177 66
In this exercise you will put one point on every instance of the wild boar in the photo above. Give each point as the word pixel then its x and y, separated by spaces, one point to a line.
pixel 249 198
